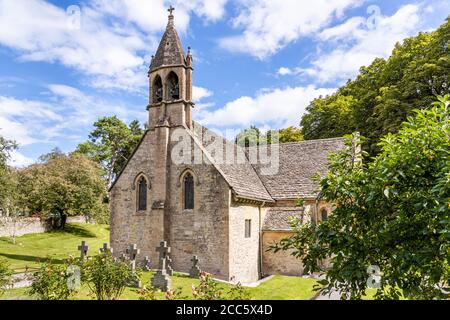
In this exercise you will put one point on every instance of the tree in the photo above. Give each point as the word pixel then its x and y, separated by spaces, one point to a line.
pixel 110 144
pixel 8 191
pixel 386 92
pixel 5 275
pixel 253 136
pixel 392 213
pixel 64 185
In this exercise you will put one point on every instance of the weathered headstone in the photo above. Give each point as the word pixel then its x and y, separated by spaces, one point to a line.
pixel 83 248
pixel 195 270
pixel 132 253
pixel 161 279
pixel 147 264
pixel 169 266
pixel 105 248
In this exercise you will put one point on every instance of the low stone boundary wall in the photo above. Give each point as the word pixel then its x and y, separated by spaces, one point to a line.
pixel 21 226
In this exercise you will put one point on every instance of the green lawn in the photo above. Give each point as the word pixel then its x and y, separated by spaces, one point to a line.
pixel 32 249
pixel 277 288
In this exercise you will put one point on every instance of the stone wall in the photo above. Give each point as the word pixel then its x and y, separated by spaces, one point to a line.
pixel 127 225
pixel 202 231
pixel 22 226
pixel 281 262
pixel 244 252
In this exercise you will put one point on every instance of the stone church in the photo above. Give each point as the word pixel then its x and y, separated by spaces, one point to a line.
pixel 205 195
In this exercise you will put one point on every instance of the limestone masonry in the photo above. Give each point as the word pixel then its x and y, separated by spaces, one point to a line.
pixel 178 188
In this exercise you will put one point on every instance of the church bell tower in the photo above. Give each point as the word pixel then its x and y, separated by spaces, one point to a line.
pixel 170 79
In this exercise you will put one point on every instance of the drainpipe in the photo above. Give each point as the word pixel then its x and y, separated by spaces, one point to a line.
pixel 260 243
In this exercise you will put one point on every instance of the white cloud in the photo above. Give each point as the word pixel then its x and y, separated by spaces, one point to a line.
pixel 25 120
pixel 200 93
pixel 67 114
pixel 269 25
pixel 355 43
pixel 283 71
pixel 112 45
pixel 273 108
pixel 19 160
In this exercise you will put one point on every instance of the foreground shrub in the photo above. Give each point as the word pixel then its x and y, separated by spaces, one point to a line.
pixel 106 277
pixel 51 282
pixel 390 229
pixel 5 275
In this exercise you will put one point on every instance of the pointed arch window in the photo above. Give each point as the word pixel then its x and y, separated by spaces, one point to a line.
pixel 188 182
pixel 157 90
pixel 142 194
pixel 173 86
pixel 324 215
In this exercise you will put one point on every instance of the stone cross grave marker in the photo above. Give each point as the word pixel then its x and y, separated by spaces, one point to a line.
pixel 83 248
pixel 169 266
pixel 161 279
pixel 132 253
pixel 105 248
pixel 147 264
pixel 195 270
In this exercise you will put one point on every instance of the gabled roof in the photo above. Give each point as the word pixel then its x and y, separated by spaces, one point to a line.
pixel 170 50
pixel 299 162
pixel 239 174
pixel 277 218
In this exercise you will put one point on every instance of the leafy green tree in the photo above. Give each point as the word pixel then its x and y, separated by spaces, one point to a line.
pixel 8 190
pixel 253 136
pixel 328 117
pixel 392 213
pixel 386 92
pixel 110 144
pixel 70 185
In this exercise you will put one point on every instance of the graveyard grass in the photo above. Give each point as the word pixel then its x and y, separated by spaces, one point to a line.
pixel 55 246
pixel 31 250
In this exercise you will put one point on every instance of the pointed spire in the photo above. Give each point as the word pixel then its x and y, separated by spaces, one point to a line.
pixel 170 50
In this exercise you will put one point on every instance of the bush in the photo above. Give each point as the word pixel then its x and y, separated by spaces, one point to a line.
pixel 106 277
pixel 5 275
pixel 50 282
pixel 208 289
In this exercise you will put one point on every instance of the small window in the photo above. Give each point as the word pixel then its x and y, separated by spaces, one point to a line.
pixel 189 192
pixel 248 228
pixel 324 215
pixel 142 194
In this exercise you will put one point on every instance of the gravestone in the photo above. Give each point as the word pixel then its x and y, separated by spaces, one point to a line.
pixel 147 264
pixel 161 279
pixel 83 248
pixel 169 266
pixel 195 270
pixel 132 253
pixel 105 248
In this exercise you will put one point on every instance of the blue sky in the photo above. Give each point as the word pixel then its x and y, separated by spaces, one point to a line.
pixel 63 64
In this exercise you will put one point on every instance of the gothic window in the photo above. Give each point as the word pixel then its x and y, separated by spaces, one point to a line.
pixel 142 194
pixel 173 86
pixel 157 90
pixel 324 215
pixel 248 228
pixel 188 192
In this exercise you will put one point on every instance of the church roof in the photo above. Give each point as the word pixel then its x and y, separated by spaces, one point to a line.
pixel 291 179
pixel 277 218
pixel 170 50
pixel 240 175
pixel 299 162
